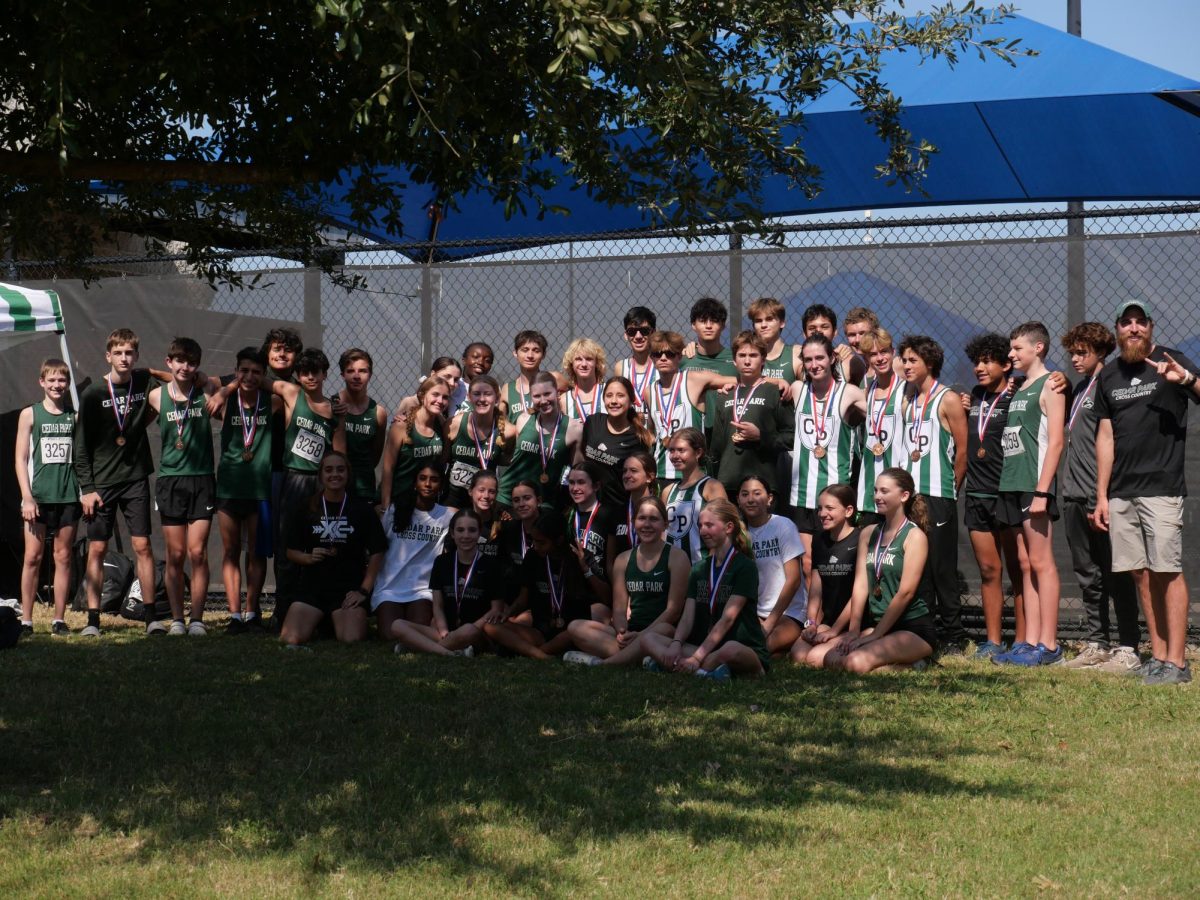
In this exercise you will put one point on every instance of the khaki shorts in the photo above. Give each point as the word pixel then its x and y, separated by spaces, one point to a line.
pixel 1147 533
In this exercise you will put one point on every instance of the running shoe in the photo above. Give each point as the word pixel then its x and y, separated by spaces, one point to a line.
pixel 196 628
pixel 1169 673
pixel 401 650
pixel 1121 661
pixel 255 625
pixel 1092 656
pixel 1146 669
pixel 650 664
pixel 580 658
pixel 235 626
pixel 90 631
pixel 990 649
pixel 156 628
pixel 720 674
pixel 1006 658
pixel 1048 657
pixel 26 629
pixel 60 629
pixel 178 629
pixel 468 652
pixel 1028 656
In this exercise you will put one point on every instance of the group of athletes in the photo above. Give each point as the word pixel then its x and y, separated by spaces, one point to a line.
pixel 699 509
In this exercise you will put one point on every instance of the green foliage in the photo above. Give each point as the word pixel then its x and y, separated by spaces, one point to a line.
pixel 268 99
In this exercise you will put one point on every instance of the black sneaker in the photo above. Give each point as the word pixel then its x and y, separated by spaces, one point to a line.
pixel 235 626
pixel 26 629
pixel 255 625
pixel 60 629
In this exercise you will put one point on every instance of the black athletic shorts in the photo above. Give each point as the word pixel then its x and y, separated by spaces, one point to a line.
pixel 55 516
pixel 185 498
pixel 238 507
pixel 921 626
pixel 133 499
pixel 1012 507
pixel 806 520
pixel 979 513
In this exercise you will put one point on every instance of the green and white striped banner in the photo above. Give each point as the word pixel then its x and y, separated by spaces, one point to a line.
pixel 26 311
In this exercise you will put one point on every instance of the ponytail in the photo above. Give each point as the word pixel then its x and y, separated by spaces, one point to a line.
pixel 915 507
pixel 634 417
pixel 728 514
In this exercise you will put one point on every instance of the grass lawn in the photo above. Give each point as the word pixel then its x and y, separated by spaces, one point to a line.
pixel 224 765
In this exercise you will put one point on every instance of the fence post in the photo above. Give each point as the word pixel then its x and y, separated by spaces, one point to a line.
pixel 313 328
pixel 1076 260
pixel 426 316
pixel 735 282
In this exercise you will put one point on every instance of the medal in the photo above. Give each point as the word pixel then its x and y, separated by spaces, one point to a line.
pixel 981 453
pixel 875 428
pixel 819 452
pixel 666 407
pixel 325 511
pixel 877 449
pixel 484 458
pixel 819 422
pixel 556 600
pixel 248 433
pixel 878 592
pixel 881 555
pixel 640 384
pixel 180 421
pixel 915 455
pixel 714 578
pixel 120 415
pixel 559 622
pixel 985 415
pixel 919 413
pixel 460 594
pixel 546 454
pixel 740 406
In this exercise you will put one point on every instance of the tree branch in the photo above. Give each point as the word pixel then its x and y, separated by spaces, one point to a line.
pixel 45 167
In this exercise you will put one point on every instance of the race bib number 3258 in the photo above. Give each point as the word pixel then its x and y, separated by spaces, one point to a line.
pixel 309 446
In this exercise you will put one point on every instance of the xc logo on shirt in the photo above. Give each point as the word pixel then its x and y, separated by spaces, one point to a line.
pixel 333 530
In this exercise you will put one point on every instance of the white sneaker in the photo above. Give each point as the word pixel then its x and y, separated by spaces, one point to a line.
pixel 196 628
pixel 1092 656
pixel 156 628
pixel 178 629
pixel 581 658
pixel 468 652
pixel 90 631
pixel 1121 661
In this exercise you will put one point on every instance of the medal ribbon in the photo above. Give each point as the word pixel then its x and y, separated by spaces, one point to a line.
pixel 117 413
pixel 879 557
pixel 985 414
pixel 1078 404
pixel 714 577
pixel 556 598
pixel 640 384
pixel 666 408
pixel 180 421
pixel 587 529
pixel 325 507
pixel 633 538
pixel 459 595
pixel 248 433
pixel 919 411
pixel 819 423
pixel 739 409
pixel 546 454
pixel 877 419
pixel 583 411
pixel 484 459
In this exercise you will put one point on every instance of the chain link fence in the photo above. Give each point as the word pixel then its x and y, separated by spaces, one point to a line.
pixel 951 276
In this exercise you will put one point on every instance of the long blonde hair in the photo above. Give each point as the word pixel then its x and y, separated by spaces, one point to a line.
pixel 584 347
pixel 730 515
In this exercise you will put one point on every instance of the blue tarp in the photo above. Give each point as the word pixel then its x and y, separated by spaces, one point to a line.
pixel 1076 122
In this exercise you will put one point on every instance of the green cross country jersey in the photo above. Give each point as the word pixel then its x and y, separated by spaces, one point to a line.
pixel 823 447
pixel 51 474
pixel 517 402
pixel 880 432
pixel 1026 438
pixel 361 430
pixel 239 478
pixel 890 571
pixel 933 446
pixel 414 454
pixel 186 432
pixel 526 462
pixel 781 366
pixel 647 590
pixel 670 409
pixel 307 437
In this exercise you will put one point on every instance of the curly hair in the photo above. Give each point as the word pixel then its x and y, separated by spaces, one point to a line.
pixel 1091 336
pixel 990 347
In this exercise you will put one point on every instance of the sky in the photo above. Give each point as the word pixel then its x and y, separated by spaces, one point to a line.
pixel 1161 32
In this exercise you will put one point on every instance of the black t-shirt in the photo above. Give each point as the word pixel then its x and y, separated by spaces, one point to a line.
pixel 983 473
pixel 609 452
pixel 596 536
pixel 475 595
pixel 356 534
pixel 836 562
pixel 1149 425
pixel 569 588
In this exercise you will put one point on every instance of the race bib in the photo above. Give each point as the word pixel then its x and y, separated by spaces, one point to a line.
pixel 460 475
pixel 309 446
pixel 1011 441
pixel 56 451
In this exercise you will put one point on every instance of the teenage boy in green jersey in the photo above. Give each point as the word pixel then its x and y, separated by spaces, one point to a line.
pixel 1033 445
pixel 185 491
pixel 244 485
pixel 49 490
pixel 529 349
pixel 365 423
pixel 113 465
pixel 768 316
pixel 709 317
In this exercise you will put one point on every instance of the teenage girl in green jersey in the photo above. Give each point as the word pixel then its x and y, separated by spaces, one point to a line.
pixel 478 441
pixel 417 439
pixel 545 446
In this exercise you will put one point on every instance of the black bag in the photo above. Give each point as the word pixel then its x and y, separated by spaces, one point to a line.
pixel 132 607
pixel 10 627
pixel 118 575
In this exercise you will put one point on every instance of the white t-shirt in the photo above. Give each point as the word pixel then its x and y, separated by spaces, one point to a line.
pixel 404 577
pixel 775 542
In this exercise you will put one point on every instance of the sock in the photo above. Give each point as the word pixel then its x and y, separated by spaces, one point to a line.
pixel 249 617
pixel 237 617
pixel 148 612
pixel 28 622
pixel 93 618
pixel 59 622
pixel 178 621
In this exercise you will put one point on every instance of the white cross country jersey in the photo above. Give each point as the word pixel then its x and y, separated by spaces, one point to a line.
pixel 646 377
pixel 814 470
pixel 670 409
pixel 933 446
pixel 683 518
pixel 881 430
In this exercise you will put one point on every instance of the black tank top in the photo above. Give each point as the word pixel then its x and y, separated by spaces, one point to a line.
pixel 836 562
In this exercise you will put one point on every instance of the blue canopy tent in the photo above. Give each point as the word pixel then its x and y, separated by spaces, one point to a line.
pixel 1076 122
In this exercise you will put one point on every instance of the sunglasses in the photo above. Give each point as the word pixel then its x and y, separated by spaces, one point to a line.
pixel 663 354
pixel 638 331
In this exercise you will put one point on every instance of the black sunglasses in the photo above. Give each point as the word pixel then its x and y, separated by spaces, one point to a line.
pixel 636 330
pixel 663 354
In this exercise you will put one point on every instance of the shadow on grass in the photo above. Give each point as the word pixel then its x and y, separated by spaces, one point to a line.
pixel 498 768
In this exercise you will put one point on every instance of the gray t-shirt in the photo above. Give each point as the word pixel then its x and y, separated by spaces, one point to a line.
pixel 1079 456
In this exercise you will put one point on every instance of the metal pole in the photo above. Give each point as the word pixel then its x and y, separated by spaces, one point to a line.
pixel 735 282
pixel 313 332
pixel 426 316
pixel 1076 255
pixel 571 290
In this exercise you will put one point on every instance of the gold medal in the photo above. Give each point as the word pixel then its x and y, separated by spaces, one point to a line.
pixel 247 455
pixel 877 449
pixel 878 591
pixel 915 455
pixel 559 622
pixel 120 440
pixel 819 452
pixel 544 478
pixel 981 453
pixel 179 445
